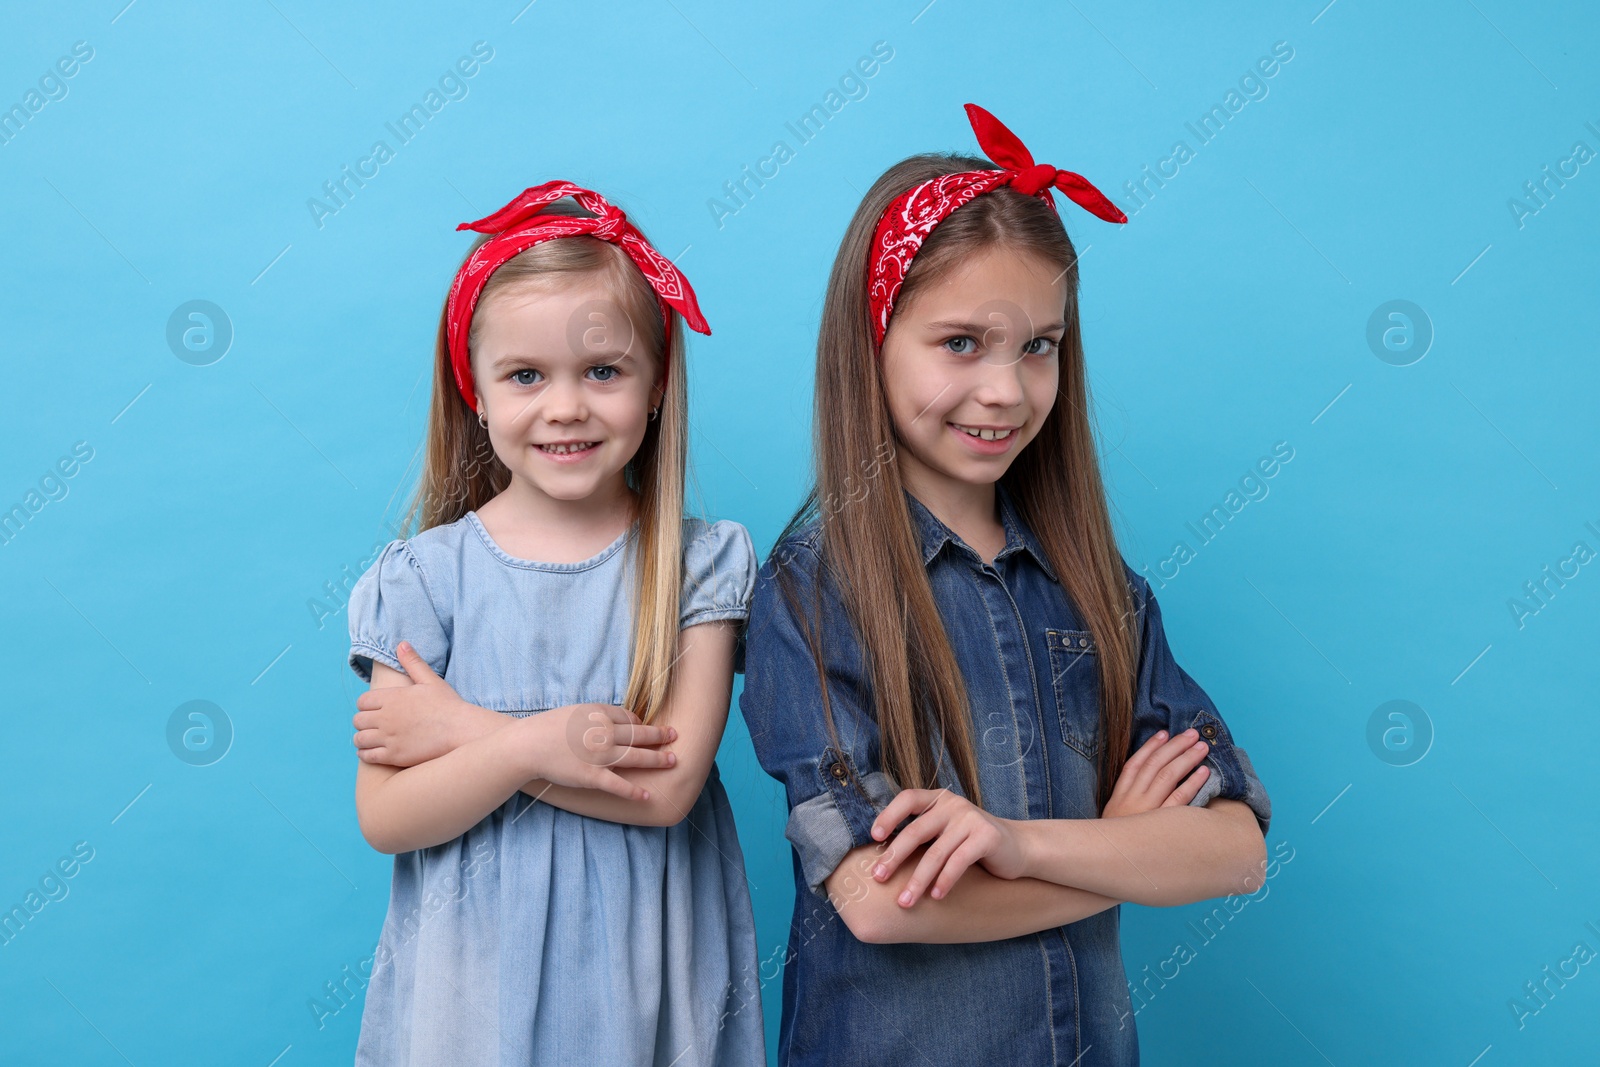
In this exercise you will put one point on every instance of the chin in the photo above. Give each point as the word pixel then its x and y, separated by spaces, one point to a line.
pixel 985 473
pixel 568 489
pixel 572 487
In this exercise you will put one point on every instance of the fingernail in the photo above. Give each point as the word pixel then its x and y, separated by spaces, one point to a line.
pixel 877 833
pixel 905 898
pixel 879 871
pixel 1161 734
pixel 937 894
pixel 672 758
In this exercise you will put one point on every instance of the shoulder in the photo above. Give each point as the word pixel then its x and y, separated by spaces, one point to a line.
pixel 798 613
pixel 400 597
pixel 797 583
pixel 720 545
pixel 396 572
pixel 706 533
pixel 438 545
pixel 798 554
pixel 397 560
pixel 719 570
pixel 418 567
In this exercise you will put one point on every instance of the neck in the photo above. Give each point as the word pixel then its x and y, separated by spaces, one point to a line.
pixel 608 509
pixel 971 509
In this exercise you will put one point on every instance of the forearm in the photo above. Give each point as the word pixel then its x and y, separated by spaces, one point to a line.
pixel 664 808
pixel 1161 858
pixel 477 722
pixel 670 787
pixel 437 801
pixel 980 907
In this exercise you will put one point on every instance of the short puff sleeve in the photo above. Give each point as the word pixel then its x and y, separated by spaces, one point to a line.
pixel 391 603
pixel 719 573
pixel 1168 699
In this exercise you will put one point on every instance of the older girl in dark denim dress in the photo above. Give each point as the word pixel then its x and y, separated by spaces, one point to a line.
pixel 947 634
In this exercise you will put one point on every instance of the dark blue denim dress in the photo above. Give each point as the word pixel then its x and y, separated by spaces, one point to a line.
pixel 1059 996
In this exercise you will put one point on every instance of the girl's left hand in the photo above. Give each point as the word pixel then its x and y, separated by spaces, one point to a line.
pixel 961 834
pixel 410 724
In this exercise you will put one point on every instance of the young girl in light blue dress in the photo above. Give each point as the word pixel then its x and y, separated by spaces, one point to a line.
pixel 551 660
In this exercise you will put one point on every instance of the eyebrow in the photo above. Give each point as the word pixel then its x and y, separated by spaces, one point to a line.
pixel 979 328
pixel 517 359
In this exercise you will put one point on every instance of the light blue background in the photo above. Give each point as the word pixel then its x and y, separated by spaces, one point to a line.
pixel 1229 315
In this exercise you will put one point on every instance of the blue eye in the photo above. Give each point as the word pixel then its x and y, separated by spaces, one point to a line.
pixel 1041 345
pixel 520 376
pixel 606 372
pixel 955 343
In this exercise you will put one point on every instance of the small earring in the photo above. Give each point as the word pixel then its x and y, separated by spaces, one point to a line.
pixel 655 411
pixel 483 419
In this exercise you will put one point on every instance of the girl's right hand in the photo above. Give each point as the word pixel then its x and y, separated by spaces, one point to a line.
pixel 406 725
pixel 581 745
pixel 1154 778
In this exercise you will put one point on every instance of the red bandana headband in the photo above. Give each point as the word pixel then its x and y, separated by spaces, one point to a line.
pixel 519 226
pixel 913 214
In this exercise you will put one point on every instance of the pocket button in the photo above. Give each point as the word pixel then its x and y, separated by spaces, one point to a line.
pixel 1208 731
pixel 1074 669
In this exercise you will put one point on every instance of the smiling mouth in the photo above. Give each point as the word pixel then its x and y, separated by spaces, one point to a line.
pixel 568 448
pixel 985 434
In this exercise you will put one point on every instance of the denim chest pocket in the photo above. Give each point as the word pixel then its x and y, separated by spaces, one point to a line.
pixel 1075 675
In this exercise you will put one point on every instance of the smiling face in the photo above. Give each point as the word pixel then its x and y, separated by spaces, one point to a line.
pixel 970 368
pixel 567 384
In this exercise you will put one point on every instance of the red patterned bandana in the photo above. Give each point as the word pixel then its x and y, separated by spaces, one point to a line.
pixel 907 221
pixel 519 226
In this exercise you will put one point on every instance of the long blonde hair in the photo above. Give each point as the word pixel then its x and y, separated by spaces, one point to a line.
pixel 870 547
pixel 461 472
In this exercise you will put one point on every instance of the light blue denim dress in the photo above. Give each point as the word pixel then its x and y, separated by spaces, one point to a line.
pixel 540 936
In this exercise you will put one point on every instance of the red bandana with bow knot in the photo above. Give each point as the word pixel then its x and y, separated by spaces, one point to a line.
pixel 519 226
pixel 913 214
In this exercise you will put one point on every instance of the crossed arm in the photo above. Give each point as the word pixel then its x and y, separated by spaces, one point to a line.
pixel 474 759
pixel 697 713
pixel 994 878
pixel 990 878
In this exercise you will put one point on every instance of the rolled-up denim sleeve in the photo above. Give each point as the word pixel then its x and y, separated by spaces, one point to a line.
pixel 835 789
pixel 1168 699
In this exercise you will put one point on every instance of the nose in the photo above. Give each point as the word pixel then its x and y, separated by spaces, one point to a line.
pixel 564 401
pixel 999 381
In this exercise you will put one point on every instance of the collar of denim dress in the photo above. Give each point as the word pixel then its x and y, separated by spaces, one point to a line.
pixel 1019 537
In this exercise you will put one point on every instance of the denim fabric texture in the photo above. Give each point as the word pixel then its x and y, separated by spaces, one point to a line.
pixel 1055 997
pixel 540 936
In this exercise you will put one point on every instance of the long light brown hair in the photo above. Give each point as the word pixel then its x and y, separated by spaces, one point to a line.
pixel 461 472
pixel 869 546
